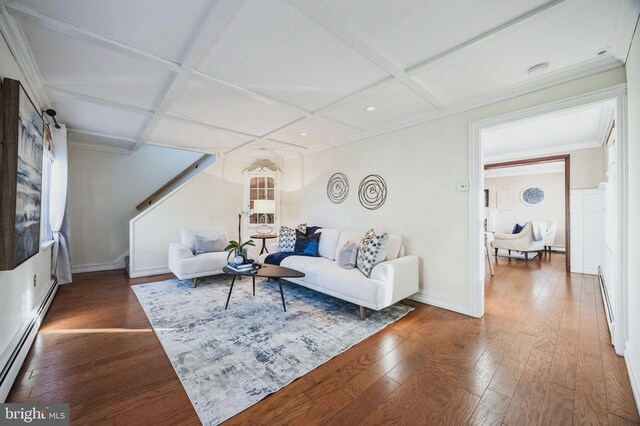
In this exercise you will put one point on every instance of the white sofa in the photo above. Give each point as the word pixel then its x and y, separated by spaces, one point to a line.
pixel 185 264
pixel 394 279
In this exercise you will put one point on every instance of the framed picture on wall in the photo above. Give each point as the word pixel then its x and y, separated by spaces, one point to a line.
pixel 20 175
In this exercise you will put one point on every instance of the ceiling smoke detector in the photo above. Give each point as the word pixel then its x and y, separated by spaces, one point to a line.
pixel 538 68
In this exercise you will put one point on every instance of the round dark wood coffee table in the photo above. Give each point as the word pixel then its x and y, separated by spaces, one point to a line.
pixel 266 271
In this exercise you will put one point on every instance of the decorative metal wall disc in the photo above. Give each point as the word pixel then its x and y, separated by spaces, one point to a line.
pixel 372 192
pixel 338 188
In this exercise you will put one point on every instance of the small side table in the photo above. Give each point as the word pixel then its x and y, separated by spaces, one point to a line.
pixel 264 238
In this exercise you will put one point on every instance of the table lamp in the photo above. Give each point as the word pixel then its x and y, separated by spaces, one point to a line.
pixel 263 208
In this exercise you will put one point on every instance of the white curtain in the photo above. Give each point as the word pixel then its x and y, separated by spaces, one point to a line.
pixel 60 266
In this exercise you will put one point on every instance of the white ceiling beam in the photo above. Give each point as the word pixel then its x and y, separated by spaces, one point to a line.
pixel 25 12
pixel 56 91
pixel 334 24
pixel 213 24
pixel 185 120
pixel 486 35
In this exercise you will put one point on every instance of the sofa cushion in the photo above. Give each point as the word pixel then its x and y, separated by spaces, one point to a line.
pixel 326 274
pixel 207 245
pixel 329 242
pixel 395 243
pixel 348 255
pixel 287 239
pixel 203 263
pixel 302 228
pixel 307 246
pixel 373 250
pixel 187 235
pixel 345 236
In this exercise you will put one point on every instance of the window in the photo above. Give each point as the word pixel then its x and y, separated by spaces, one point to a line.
pixel 45 224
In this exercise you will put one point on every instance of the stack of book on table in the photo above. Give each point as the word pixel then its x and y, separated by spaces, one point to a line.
pixel 240 267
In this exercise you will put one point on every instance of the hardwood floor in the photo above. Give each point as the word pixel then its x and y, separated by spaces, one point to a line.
pixel 540 355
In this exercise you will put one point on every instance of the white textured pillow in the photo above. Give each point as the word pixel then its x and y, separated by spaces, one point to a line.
pixel 208 245
pixel 348 255
pixel 373 250
pixel 329 243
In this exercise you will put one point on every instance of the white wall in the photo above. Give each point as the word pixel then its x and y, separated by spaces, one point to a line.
pixel 210 199
pixel 552 208
pixel 104 189
pixel 632 354
pixel 421 165
pixel 18 296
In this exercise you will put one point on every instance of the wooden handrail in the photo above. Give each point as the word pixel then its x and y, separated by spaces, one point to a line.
pixel 152 198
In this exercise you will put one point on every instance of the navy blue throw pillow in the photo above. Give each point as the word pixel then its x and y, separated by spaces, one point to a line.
pixel 517 229
pixel 307 246
pixel 312 229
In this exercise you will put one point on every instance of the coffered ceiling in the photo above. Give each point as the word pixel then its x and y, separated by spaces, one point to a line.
pixel 280 78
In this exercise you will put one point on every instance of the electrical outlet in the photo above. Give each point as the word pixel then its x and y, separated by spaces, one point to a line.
pixel 35 280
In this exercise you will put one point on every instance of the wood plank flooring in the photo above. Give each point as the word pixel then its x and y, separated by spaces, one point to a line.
pixel 540 355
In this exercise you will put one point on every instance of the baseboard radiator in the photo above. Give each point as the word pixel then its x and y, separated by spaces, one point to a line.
pixel 14 356
pixel 606 300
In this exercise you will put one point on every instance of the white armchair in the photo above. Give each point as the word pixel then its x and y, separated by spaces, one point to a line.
pixel 185 264
pixel 522 242
pixel 549 229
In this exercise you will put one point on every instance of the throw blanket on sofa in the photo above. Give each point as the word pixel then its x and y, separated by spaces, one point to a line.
pixel 277 258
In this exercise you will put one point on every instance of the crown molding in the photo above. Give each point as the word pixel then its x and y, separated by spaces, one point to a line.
pixel 19 47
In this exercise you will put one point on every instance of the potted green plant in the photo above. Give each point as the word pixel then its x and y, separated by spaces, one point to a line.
pixel 239 249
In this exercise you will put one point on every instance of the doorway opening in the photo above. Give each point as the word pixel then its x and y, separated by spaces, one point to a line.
pixel 542 192
pixel 600 202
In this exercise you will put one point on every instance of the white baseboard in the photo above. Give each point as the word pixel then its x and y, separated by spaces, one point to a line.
pixel 632 359
pixel 95 267
pixel 443 302
pixel 15 354
pixel 147 272
pixel 587 270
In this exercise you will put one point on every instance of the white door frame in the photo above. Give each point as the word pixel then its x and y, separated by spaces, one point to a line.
pixel 476 194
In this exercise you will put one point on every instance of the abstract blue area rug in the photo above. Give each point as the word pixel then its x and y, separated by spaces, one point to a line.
pixel 229 360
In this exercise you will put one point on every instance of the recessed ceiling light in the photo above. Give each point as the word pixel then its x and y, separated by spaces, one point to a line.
pixel 370 108
pixel 303 134
pixel 602 52
pixel 539 68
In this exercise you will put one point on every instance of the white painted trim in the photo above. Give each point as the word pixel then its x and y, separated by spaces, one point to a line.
pixel 34 322
pixel 622 160
pixel 443 302
pixel 21 51
pixel 100 148
pixel 632 359
pixel 147 272
pixel 119 263
pixel 617 92
pixel 543 151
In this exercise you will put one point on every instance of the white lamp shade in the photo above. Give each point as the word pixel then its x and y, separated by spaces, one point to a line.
pixel 264 206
